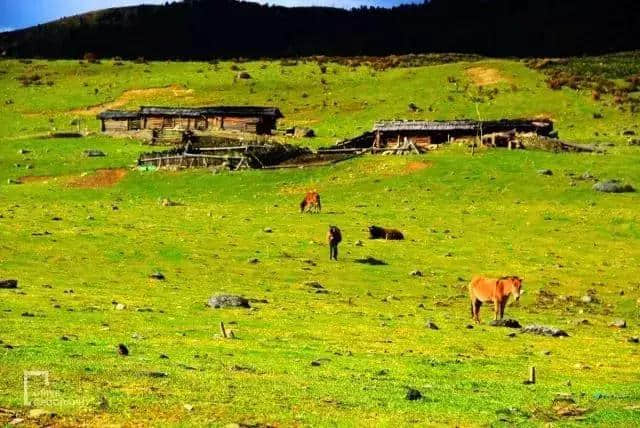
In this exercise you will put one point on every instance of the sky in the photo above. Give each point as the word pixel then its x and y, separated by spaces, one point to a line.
pixel 16 14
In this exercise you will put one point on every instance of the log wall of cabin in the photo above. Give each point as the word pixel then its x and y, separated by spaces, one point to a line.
pixel 116 125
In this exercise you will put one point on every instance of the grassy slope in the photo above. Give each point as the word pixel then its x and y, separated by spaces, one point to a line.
pixel 491 213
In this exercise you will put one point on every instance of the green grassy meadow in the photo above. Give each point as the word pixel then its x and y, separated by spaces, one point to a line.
pixel 79 246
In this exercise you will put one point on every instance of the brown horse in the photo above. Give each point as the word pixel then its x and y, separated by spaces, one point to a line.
pixel 493 290
pixel 311 201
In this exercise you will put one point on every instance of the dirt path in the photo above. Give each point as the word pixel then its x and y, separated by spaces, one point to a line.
pixel 134 94
pixel 483 76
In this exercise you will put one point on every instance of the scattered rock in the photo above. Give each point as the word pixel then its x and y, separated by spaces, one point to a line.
pixel 371 261
pixel 416 273
pixel 470 327
pixel 157 374
pixel 544 330
pixel 618 324
pixel 300 132
pixel 157 275
pixel 634 141
pixel 613 186
pixel 267 230
pixel 93 153
pixel 166 202
pixel 413 394
pixel 587 299
pixel 164 357
pixel 228 301
pixel 634 339
pixel 430 324
pixel 253 261
pixel 628 132
pixel 316 363
pixel 8 283
pixel 188 407
pixel 120 307
pixel 509 323
pixel 28 314
pixel 564 397
pixel 243 75
pixel 16 421
pixel 588 176
pixel 123 350
pixel 144 310
pixel 545 172
pixel 24 151
pixel 314 284
pixel 12 181
pixel 358 243
pixel 40 413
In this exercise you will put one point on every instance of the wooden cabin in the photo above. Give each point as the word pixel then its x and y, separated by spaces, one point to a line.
pixel 254 120
pixel 424 133
pixel 116 121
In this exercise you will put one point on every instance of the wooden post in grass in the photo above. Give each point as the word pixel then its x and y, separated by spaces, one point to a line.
pixel 532 375
pixel 223 330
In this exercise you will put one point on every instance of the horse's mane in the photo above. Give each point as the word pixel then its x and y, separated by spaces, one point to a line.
pixel 509 277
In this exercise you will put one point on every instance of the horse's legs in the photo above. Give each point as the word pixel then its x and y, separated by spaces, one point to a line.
pixel 475 308
pixel 502 305
pixel 496 309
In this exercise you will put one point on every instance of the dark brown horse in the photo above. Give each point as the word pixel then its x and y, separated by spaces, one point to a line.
pixel 310 202
pixel 376 232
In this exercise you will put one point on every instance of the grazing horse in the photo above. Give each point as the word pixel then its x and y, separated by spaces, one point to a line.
pixel 334 237
pixel 376 232
pixel 311 201
pixel 493 290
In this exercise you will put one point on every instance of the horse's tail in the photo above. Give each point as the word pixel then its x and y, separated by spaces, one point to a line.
pixel 303 204
pixel 319 204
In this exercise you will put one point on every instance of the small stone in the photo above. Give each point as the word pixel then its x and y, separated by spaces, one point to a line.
pixel 545 172
pixel 509 323
pixel 316 363
pixel 28 314
pixel 469 327
pixel 358 243
pixel 618 324
pixel 120 307
pixel 613 186
pixel 123 350
pixel 40 413
pixel 164 357
pixel 228 301
pixel 157 275
pixel 157 374
pixel 430 324
pixel 416 273
pixel 16 421
pixel 587 299
pixel 413 394
pixel 188 407
pixel 253 261
pixel 92 153
pixel 267 230
pixel 634 339
pixel 8 283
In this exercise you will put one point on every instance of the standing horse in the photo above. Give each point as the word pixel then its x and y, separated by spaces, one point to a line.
pixel 493 290
pixel 334 237
pixel 311 201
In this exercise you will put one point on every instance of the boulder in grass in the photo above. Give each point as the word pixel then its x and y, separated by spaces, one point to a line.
pixel 545 172
pixel 544 331
pixel 93 153
pixel 228 301
pixel 8 283
pixel 613 186
pixel 509 323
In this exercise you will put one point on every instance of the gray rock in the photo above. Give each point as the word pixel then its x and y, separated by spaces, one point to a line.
pixel 157 275
pixel 509 323
pixel 267 230
pixel 618 324
pixel 314 284
pixel 415 273
pixel 93 153
pixel 545 172
pixel 358 243
pixel 8 283
pixel 634 339
pixel 157 374
pixel 613 186
pixel 243 75
pixel 253 261
pixel 430 324
pixel 634 141
pixel 544 331
pixel 228 301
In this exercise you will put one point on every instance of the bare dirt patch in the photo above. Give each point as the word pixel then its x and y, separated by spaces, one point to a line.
pixel 418 166
pixel 101 178
pixel 135 94
pixel 484 76
pixel 36 179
